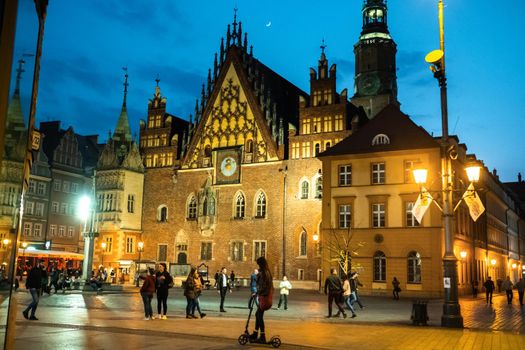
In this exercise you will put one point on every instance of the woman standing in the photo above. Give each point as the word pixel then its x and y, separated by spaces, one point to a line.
pixel 164 282
pixel 146 292
pixel 395 284
pixel 189 292
pixel 197 279
pixel 349 295
pixel 265 295
pixel 284 287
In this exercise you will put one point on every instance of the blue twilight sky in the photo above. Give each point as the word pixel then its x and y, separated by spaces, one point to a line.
pixel 86 43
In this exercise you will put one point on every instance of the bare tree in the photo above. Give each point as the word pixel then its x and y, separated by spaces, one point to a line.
pixel 342 248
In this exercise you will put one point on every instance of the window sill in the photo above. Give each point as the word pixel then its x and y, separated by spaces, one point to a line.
pixel 259 217
pixel 238 218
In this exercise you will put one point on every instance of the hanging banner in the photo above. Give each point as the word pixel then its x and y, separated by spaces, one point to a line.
pixel 475 206
pixel 422 203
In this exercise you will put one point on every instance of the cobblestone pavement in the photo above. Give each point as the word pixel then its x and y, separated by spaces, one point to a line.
pixel 107 321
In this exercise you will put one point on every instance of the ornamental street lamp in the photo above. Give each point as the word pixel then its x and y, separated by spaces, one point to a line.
pixel 86 213
pixel 140 249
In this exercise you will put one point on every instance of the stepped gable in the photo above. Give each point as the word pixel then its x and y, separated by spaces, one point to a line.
pixel 402 132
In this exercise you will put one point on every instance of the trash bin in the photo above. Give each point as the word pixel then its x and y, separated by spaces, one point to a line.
pixel 419 313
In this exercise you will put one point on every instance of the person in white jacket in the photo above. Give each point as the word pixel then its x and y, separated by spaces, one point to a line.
pixel 284 287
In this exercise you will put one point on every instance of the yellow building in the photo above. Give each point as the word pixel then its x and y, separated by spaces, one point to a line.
pixel 369 193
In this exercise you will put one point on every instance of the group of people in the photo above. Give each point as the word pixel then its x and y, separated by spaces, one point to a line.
pixel 507 285
pixel 342 293
pixel 156 282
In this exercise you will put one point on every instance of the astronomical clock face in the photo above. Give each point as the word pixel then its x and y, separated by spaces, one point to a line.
pixel 369 84
pixel 228 166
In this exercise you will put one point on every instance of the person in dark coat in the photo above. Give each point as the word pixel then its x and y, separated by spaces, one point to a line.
pixel 34 284
pixel 489 289
pixel 189 292
pixel 164 281
pixel 146 292
pixel 223 286
pixel 264 296
pixel 333 286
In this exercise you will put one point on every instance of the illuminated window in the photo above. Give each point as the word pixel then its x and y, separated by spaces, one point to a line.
pixel 345 215
pixel 338 123
pixel 192 208
pixel 240 205
pixel 305 189
pixel 109 244
pixel 378 215
pixel 295 151
pixel 237 251
pixel 379 267
pixel 260 207
pixel 410 219
pixel 409 167
pixel 306 126
pixel 317 124
pixel 378 173
pixel 130 246
pixel 345 175
pixel 70 231
pixel 327 124
pixel 414 267
pixel 306 149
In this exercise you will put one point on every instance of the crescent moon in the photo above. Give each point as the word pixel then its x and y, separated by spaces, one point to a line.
pixel 269 24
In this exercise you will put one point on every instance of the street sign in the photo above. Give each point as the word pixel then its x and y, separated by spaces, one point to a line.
pixel 446 282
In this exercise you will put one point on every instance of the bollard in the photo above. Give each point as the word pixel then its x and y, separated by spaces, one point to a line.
pixel 419 313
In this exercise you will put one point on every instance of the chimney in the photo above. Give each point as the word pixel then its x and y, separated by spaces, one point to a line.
pixel 495 173
pixel 519 177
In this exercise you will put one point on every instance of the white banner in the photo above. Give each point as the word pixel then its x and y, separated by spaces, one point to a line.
pixel 475 206
pixel 422 203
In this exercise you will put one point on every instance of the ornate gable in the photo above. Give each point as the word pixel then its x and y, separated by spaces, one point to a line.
pixel 133 160
pixel 230 121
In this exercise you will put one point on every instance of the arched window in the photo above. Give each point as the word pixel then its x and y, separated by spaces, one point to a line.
pixel 305 189
pixel 211 206
pixel 380 139
pixel 249 146
pixel 207 151
pixel 260 205
pixel 192 208
pixel 414 267
pixel 319 187
pixel 317 149
pixel 379 267
pixel 205 207
pixel 302 244
pixel 162 213
pixel 240 205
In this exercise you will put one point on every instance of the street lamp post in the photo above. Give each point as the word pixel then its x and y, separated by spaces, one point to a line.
pixel 24 247
pixel 140 249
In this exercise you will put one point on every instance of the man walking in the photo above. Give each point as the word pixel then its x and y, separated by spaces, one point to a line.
pixel 520 286
pixel 355 284
pixel 489 289
pixel 507 286
pixel 33 284
pixel 223 285
pixel 334 287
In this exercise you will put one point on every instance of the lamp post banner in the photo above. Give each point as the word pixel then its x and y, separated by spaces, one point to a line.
pixel 424 199
pixel 475 206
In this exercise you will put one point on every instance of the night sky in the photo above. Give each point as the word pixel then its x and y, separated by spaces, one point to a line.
pixel 87 43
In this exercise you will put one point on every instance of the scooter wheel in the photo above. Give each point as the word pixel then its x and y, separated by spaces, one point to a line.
pixel 243 339
pixel 276 342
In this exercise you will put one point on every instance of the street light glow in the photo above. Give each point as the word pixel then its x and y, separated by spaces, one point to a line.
pixel 473 173
pixel 420 175
pixel 83 207
pixel 24 245
pixel 141 245
pixel 493 262
pixel 514 266
pixel 315 237
pixel 463 254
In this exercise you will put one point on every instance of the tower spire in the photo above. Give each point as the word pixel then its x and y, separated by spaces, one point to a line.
pixel 19 72
pixel 125 69
pixel 157 80
pixel 322 47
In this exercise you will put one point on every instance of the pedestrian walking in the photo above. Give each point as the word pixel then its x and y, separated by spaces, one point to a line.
pixel 54 275
pixel 348 295
pixel 507 286
pixel 34 284
pixel 197 279
pixel 189 292
pixel 520 286
pixel 146 292
pixel 355 284
pixel 232 278
pixel 223 286
pixel 216 278
pixel 397 289
pixel 284 287
pixel 333 286
pixel 163 282
pixel 265 296
pixel 44 281
pixel 112 275
pixel 489 289
pixel 253 282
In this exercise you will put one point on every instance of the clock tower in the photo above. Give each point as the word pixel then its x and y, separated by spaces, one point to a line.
pixel 375 61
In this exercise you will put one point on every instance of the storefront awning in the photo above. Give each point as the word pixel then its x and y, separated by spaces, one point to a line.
pixel 57 254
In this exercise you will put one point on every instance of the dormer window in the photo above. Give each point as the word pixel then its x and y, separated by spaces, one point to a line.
pixel 380 139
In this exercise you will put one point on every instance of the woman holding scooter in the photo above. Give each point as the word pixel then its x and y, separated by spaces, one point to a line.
pixel 265 295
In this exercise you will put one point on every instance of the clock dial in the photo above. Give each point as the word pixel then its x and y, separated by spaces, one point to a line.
pixel 369 84
pixel 228 166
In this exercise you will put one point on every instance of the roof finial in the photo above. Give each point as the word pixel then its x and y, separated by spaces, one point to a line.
pixel 235 18
pixel 125 69
pixel 323 46
pixel 157 80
